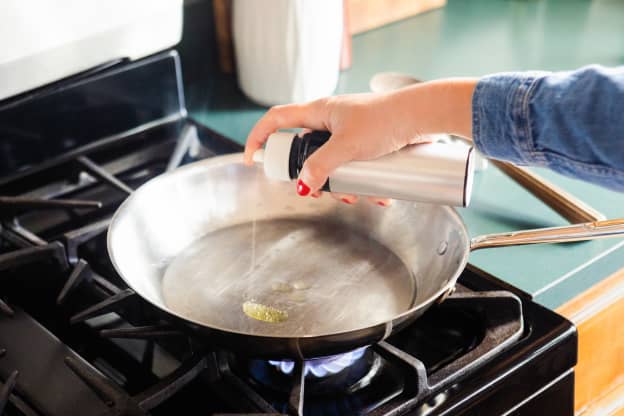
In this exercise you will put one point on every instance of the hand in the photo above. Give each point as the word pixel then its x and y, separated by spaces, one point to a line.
pixel 367 126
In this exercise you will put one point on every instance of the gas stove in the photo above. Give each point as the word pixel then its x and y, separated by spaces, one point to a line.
pixel 75 340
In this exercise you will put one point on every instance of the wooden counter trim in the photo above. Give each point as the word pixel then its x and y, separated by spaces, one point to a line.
pixel 599 317
pixel 610 403
pixel 370 14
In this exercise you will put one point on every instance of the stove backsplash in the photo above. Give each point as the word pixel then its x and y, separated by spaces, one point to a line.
pixel 108 100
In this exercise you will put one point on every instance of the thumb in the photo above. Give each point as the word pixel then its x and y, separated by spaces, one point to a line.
pixel 317 168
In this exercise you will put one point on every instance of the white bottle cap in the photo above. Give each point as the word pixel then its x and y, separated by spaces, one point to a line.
pixel 276 157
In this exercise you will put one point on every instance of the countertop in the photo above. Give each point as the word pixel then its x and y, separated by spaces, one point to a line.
pixel 471 39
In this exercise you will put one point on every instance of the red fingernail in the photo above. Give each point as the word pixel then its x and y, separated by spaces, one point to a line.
pixel 346 201
pixel 383 204
pixel 302 188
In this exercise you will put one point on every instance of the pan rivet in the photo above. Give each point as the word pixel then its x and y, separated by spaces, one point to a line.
pixel 442 247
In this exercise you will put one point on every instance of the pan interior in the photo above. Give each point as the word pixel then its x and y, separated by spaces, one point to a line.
pixel 185 242
pixel 288 277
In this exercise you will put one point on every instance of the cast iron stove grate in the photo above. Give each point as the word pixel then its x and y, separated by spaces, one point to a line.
pixel 72 276
pixel 148 324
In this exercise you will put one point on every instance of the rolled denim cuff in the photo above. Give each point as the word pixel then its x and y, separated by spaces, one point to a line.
pixel 501 125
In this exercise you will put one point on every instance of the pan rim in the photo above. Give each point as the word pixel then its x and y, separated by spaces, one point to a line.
pixel 238 158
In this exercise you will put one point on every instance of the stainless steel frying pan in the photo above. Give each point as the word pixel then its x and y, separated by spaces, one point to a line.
pixel 249 263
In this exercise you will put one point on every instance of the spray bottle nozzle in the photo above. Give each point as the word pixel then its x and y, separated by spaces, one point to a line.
pixel 258 156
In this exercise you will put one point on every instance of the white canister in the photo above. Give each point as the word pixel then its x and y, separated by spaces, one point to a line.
pixel 287 51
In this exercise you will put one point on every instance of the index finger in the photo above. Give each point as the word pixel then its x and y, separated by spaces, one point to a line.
pixel 310 115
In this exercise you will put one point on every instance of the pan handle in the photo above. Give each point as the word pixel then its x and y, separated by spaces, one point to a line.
pixel 577 232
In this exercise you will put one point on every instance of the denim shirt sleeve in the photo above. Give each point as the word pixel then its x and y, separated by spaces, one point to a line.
pixel 571 122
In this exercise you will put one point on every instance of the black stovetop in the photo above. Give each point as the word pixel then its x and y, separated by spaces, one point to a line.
pixel 75 340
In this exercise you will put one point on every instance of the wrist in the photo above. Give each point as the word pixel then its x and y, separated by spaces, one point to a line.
pixel 441 107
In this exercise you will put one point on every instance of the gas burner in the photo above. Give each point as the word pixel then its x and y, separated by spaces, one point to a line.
pixel 324 366
pixel 363 381
pixel 347 372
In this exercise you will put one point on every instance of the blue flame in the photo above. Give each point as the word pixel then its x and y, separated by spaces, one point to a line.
pixel 321 367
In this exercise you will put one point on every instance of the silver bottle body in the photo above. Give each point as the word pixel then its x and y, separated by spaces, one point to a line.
pixel 434 173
